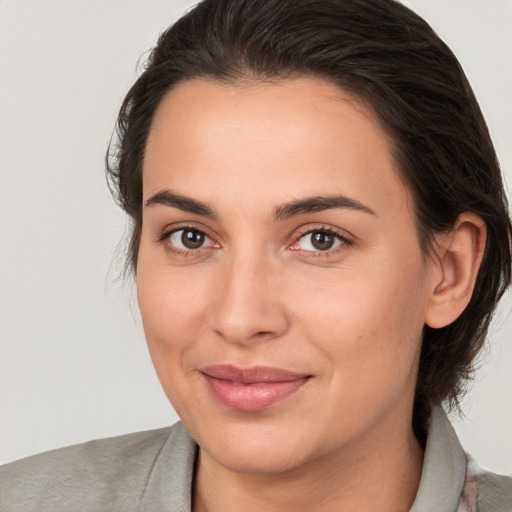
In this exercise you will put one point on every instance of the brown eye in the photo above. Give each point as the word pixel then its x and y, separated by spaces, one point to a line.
pixel 192 239
pixel 319 240
pixel 322 241
pixel 189 240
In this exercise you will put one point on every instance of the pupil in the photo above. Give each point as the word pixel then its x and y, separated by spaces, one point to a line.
pixel 322 241
pixel 192 239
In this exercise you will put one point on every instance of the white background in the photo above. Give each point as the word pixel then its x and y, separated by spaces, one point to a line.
pixel 73 361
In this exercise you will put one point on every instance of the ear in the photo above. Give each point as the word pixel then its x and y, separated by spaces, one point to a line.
pixel 455 269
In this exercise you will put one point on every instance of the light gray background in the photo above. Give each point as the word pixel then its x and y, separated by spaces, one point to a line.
pixel 73 361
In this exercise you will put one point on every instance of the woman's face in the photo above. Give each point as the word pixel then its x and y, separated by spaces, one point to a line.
pixel 281 284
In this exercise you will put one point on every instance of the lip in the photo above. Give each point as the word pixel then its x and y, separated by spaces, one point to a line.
pixel 251 389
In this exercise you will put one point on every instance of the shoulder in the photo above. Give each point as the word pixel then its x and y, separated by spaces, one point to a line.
pixel 88 476
pixel 494 492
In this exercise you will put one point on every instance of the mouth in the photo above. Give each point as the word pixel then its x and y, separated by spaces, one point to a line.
pixel 251 389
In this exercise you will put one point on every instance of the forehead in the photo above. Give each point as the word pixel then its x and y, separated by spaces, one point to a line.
pixel 277 141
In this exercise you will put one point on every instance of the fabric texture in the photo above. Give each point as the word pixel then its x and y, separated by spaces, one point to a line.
pixel 153 471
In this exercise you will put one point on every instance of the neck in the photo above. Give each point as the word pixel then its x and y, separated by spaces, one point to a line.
pixel 378 472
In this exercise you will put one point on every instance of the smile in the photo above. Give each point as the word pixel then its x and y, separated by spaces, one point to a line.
pixel 251 389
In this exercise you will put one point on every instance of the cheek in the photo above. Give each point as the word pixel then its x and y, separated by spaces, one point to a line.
pixel 172 310
pixel 173 317
pixel 369 326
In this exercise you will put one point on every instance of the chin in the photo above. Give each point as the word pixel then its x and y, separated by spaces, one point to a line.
pixel 263 460
pixel 255 448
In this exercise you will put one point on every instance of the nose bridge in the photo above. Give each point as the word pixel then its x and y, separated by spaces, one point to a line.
pixel 247 306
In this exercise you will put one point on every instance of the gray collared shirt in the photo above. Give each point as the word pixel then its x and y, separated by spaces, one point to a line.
pixel 153 471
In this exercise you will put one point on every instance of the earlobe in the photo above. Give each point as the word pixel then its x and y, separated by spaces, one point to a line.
pixel 460 253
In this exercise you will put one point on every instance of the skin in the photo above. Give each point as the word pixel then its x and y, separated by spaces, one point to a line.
pixel 257 292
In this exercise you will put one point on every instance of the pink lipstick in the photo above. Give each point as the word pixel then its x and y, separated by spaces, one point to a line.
pixel 251 389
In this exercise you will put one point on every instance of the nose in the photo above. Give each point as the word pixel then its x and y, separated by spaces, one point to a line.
pixel 248 305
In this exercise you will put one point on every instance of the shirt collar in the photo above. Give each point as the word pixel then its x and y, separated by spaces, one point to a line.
pixel 444 468
pixel 169 485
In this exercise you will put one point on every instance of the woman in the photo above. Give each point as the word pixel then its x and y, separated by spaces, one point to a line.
pixel 320 237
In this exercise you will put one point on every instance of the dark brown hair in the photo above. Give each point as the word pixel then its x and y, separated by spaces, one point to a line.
pixel 389 58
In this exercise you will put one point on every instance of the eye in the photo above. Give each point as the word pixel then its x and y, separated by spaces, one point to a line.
pixel 319 240
pixel 187 239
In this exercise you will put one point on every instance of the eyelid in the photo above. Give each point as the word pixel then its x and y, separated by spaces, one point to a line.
pixel 169 229
pixel 177 226
pixel 346 238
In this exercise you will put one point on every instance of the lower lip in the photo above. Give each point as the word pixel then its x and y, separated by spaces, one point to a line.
pixel 252 397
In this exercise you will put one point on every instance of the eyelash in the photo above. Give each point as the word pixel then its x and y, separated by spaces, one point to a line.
pixel 344 241
pixel 165 237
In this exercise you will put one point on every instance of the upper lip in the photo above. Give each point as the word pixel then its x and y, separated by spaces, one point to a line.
pixel 252 375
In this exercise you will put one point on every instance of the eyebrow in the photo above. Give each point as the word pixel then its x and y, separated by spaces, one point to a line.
pixel 318 204
pixel 186 204
pixel 285 211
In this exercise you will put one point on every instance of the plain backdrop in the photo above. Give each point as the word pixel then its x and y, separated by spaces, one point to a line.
pixel 73 360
